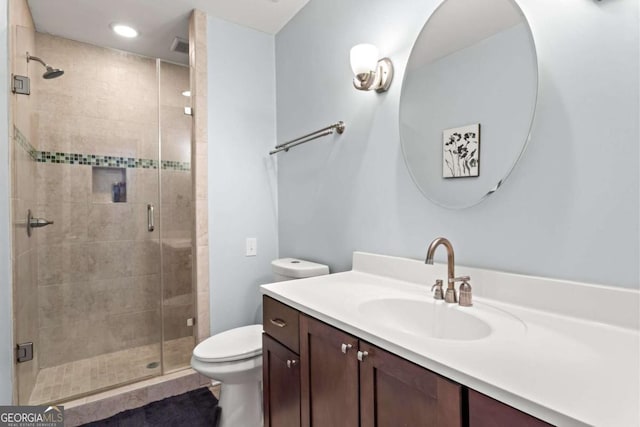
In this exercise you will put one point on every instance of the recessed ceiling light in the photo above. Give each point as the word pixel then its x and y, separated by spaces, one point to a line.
pixel 186 93
pixel 124 30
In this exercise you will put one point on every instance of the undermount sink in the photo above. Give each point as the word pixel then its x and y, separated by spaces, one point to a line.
pixel 425 318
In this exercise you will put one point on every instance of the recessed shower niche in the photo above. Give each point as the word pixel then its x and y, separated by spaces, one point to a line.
pixel 108 184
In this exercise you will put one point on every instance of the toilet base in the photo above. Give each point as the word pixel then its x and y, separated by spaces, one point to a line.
pixel 241 405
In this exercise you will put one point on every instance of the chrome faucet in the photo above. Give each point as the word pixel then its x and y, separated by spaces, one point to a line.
pixel 450 294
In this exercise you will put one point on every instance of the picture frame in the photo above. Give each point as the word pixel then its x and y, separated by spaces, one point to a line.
pixel 461 152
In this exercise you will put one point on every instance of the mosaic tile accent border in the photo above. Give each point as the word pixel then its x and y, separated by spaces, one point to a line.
pixel 93 160
pixel 96 160
pixel 175 165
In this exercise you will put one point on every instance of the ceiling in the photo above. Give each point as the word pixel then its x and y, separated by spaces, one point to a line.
pixel 158 21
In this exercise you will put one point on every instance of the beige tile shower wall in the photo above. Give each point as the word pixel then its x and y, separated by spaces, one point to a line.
pixel 98 266
pixel 177 207
pixel 198 70
pixel 24 252
pixel 175 124
pixel 105 104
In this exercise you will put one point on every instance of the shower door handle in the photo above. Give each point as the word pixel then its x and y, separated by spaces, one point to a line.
pixel 150 220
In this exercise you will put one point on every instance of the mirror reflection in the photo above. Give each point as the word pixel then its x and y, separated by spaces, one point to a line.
pixel 468 99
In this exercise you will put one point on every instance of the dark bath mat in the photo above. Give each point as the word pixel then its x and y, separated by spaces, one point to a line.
pixel 194 409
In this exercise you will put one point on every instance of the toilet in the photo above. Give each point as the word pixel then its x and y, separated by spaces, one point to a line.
pixel 234 357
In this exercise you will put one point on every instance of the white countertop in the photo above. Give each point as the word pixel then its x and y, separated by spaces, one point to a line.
pixel 574 370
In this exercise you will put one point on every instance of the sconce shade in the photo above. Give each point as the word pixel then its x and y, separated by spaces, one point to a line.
pixel 371 72
pixel 364 58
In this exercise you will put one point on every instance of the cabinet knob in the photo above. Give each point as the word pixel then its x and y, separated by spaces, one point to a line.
pixel 291 363
pixel 345 348
pixel 361 355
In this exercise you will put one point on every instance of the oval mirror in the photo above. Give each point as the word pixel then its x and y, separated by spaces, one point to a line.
pixel 468 100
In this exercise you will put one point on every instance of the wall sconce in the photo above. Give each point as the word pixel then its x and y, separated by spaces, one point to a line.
pixel 370 72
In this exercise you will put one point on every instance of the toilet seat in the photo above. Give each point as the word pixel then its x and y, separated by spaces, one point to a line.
pixel 232 345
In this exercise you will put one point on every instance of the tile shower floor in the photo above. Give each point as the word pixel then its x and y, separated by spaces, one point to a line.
pixel 87 375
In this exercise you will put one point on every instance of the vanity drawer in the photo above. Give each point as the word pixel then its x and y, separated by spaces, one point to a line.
pixel 281 322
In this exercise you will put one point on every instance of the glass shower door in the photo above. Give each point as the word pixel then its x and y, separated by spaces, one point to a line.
pixel 178 297
pixel 87 288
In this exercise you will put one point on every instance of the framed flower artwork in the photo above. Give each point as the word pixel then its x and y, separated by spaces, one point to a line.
pixel 461 152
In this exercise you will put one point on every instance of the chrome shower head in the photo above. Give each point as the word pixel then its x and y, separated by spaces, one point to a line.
pixel 51 72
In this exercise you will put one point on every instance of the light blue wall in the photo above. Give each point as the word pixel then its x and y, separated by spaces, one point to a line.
pixel 242 176
pixel 570 208
pixel 6 327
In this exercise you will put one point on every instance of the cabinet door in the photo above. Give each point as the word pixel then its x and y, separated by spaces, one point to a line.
pixel 281 384
pixel 398 393
pixel 329 375
pixel 487 412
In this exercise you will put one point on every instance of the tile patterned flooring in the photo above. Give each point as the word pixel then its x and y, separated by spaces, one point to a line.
pixel 84 376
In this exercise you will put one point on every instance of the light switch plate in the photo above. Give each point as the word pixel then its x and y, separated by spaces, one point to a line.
pixel 252 246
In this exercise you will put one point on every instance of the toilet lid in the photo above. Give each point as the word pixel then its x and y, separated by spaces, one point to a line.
pixel 235 344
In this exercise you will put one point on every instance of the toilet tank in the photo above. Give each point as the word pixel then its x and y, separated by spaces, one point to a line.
pixel 292 268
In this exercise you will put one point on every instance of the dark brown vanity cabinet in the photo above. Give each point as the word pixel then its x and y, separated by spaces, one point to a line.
pixel 315 375
pixel 487 412
pixel 281 384
pixel 329 375
pixel 347 382
pixel 395 392
pixel 280 365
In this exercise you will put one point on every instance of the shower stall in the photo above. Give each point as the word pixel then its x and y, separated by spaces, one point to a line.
pixel 103 217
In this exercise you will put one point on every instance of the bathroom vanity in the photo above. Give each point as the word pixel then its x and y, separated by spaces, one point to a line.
pixel 331 378
pixel 370 347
